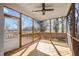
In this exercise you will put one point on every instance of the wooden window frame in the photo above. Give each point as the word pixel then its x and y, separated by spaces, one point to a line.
pixel 20 24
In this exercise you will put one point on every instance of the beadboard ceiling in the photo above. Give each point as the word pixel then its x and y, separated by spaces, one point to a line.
pixel 60 9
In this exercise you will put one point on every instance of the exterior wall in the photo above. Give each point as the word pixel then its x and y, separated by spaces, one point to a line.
pixel 1 31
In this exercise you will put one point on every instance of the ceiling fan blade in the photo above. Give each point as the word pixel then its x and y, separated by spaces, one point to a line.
pixel 49 9
pixel 37 11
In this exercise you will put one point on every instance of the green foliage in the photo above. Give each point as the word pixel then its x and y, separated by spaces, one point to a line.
pixel 56 25
pixel 44 25
pixel 36 29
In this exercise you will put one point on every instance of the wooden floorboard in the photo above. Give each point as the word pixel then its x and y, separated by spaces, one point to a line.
pixel 41 48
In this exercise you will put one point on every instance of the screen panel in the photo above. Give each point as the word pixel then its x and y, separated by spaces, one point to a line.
pixel 27 35
pixel 11 34
pixel 36 30
pixel 77 19
pixel 46 26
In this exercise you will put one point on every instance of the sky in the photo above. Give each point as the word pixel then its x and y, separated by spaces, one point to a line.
pixel 26 21
pixel 11 23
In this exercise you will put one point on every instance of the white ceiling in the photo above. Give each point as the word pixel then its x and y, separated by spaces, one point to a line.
pixel 60 9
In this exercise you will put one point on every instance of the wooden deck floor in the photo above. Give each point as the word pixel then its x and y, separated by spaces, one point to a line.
pixel 41 48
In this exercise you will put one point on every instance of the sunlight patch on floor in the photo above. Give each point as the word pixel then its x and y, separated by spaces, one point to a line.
pixel 47 49
pixel 43 48
pixel 65 51
pixel 18 53
pixel 29 49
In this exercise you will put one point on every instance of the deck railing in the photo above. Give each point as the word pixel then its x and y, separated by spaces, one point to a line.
pixel 9 35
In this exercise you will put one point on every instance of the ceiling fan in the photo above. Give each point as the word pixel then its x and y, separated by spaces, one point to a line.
pixel 44 9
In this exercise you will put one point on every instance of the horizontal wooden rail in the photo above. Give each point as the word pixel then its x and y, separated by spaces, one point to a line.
pixel 7 15
pixel 76 39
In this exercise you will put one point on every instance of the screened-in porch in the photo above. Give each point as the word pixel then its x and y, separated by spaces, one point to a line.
pixel 49 35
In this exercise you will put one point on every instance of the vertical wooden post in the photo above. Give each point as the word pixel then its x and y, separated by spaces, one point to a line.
pixel 66 28
pixel 56 25
pixel 20 30
pixel 40 30
pixel 62 25
pixel 73 20
pixel 33 29
pixel 75 44
pixel 66 24
pixel 50 30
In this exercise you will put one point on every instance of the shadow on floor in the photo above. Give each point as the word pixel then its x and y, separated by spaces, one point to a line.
pixel 37 53
pixel 44 49
pixel 19 51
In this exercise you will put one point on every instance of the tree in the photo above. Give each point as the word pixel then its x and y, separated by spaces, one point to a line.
pixel 44 25
pixel 56 25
